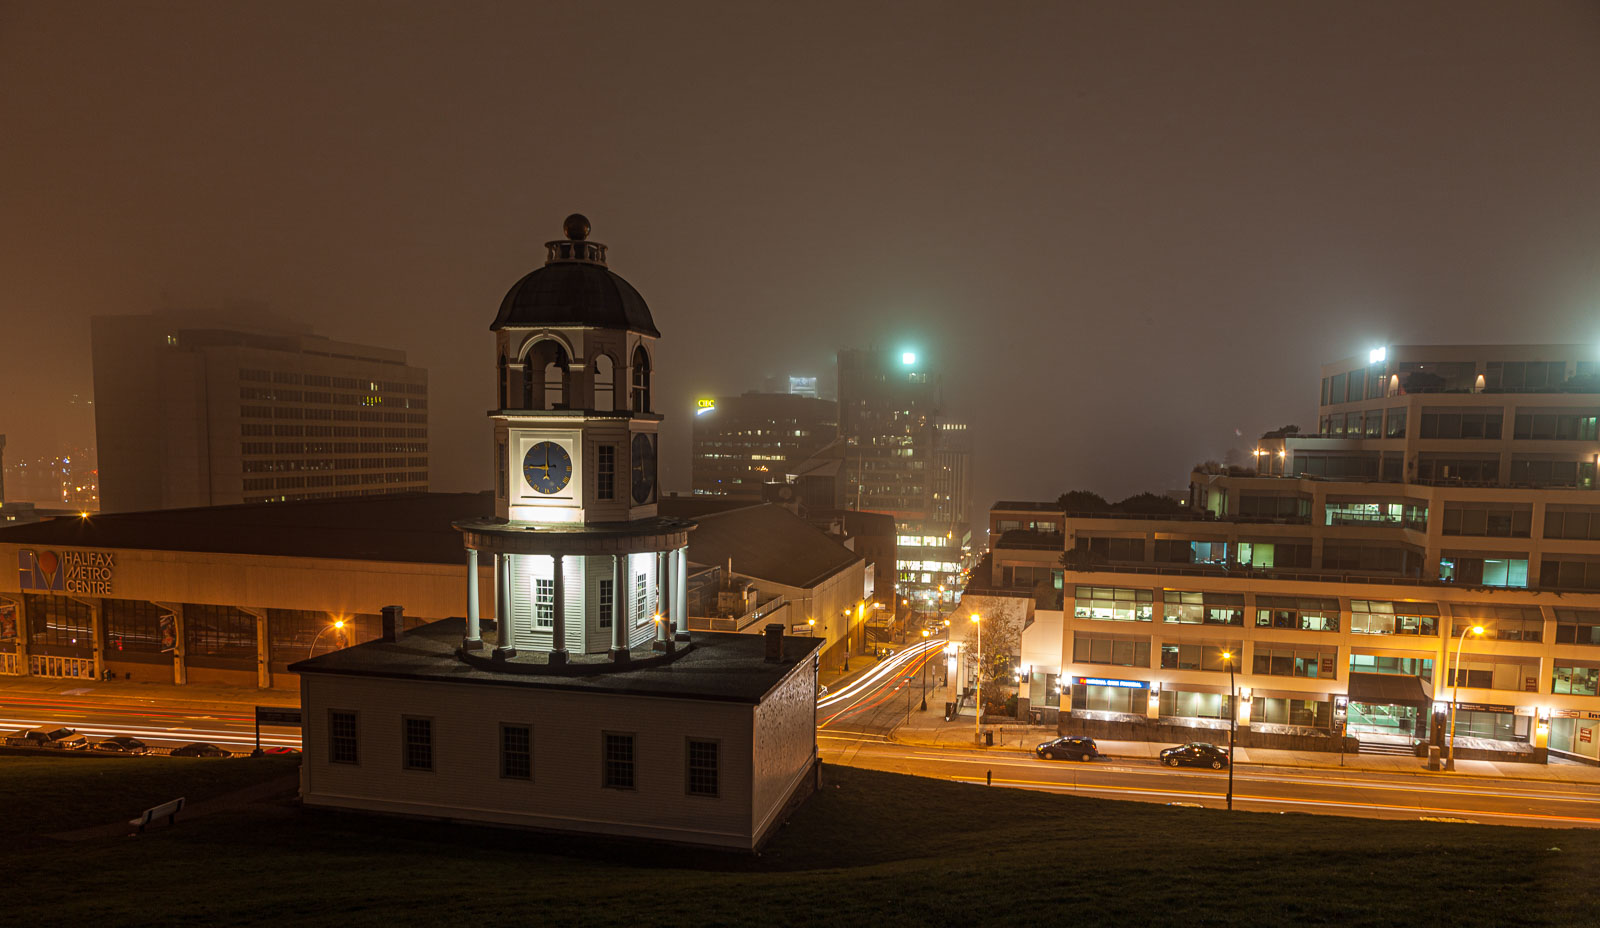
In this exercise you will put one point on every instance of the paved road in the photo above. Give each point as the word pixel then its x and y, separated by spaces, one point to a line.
pixel 166 725
pixel 1257 789
pixel 856 720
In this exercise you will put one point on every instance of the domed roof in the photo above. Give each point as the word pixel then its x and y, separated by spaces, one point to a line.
pixel 575 288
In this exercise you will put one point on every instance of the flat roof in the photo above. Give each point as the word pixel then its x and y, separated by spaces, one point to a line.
pixel 407 527
pixel 721 666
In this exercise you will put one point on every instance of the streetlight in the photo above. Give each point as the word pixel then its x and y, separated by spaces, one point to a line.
pixel 977 715
pixel 1233 723
pixel 1455 690
pixel 847 641
pixel 338 626
pixel 811 625
pixel 925 660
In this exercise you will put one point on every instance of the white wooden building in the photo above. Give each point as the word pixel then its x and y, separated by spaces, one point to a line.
pixel 592 708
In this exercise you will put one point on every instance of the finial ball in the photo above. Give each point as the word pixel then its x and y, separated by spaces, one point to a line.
pixel 576 227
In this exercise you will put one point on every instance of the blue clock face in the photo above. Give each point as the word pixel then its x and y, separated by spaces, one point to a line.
pixel 547 467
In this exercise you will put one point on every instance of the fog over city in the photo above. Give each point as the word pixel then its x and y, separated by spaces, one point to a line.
pixel 1128 234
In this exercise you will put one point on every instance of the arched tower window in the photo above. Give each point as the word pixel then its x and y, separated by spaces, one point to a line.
pixel 641 380
pixel 546 376
pixel 605 383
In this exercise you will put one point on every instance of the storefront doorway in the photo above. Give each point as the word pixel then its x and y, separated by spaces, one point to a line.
pixel 1406 723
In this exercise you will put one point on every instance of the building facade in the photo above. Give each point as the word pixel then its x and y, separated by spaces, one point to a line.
pixel 900 456
pixel 592 707
pixel 190 413
pixel 1432 535
pixel 743 443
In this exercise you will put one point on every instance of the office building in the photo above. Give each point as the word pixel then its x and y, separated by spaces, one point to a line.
pixel 591 707
pixel 190 412
pixel 744 443
pixel 900 456
pixel 1435 531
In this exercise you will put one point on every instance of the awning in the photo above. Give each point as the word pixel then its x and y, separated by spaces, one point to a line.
pixel 1389 689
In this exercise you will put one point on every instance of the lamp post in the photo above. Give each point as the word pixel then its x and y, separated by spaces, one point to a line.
pixel 977 705
pixel 925 660
pixel 338 626
pixel 1233 723
pixel 847 641
pixel 1455 690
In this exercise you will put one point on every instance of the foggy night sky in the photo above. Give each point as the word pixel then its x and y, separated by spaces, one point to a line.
pixel 1123 230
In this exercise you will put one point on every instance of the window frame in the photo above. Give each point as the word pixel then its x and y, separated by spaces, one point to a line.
pixel 632 761
pixel 505 752
pixel 689 743
pixel 354 737
pixel 406 745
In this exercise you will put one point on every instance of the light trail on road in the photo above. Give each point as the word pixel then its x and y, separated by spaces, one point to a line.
pixel 865 683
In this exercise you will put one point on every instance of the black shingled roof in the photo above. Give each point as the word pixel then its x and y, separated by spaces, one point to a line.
pixel 724 667
pixel 413 527
pixel 575 293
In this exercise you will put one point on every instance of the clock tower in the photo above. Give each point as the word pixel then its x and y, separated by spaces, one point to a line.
pixel 583 565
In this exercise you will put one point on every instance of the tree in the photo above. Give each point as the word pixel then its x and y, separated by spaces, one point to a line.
pixel 996 664
pixel 1282 431
pixel 1150 503
pixel 1083 501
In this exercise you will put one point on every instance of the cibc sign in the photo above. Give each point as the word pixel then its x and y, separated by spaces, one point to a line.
pixel 84 573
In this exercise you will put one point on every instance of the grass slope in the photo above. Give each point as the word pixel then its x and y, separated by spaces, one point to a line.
pixel 871 848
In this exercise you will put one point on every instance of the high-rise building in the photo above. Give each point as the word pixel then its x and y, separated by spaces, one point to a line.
pixel 190 412
pixel 901 457
pixel 742 443
pixel 1435 545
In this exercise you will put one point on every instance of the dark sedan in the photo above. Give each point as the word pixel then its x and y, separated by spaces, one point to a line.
pixel 1196 754
pixel 122 744
pixel 1072 747
pixel 199 749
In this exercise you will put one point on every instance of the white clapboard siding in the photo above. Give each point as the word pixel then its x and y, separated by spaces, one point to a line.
pixel 565 792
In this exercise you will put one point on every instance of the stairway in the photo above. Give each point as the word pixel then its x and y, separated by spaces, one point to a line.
pixel 1385 747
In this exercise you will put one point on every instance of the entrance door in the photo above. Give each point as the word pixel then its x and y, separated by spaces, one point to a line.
pixel 1378 722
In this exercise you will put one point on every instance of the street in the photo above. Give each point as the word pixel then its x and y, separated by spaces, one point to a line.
pixel 163 725
pixel 859 716
pixel 856 722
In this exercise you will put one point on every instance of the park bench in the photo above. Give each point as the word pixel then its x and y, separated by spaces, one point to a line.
pixel 167 810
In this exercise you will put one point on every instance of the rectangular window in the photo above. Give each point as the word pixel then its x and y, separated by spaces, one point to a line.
pixel 516 752
pixel 1576 680
pixel 1113 604
pixel 342 737
pixel 603 603
pixel 1395 424
pixel 1307 613
pixel 1178 656
pixel 701 777
pixel 617 761
pixel 418 743
pixel 1089 648
pixel 605 473
pixel 1290 661
pixel 544 603
pixel 1578 626
pixel 641 599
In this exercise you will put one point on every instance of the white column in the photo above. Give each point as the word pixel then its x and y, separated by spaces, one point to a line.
pixel 619 609
pixel 662 603
pixel 680 594
pixel 474 638
pixel 558 616
pixel 502 604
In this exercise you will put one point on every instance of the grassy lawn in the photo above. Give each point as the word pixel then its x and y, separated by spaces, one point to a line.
pixel 871 848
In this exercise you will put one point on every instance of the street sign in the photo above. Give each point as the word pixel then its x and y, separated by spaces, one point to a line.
pixel 277 715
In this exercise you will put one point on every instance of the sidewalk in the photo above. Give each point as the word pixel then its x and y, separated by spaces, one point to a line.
pixel 929 729
pixel 219 697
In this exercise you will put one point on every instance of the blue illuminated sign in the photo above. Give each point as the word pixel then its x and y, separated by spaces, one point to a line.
pixel 1125 684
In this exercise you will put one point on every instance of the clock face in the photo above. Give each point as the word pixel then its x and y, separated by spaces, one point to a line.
pixel 547 467
pixel 644 468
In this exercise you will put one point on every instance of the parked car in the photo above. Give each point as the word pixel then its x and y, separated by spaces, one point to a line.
pixel 199 749
pixel 280 749
pixel 122 744
pixel 1071 747
pixel 60 738
pixel 1196 754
